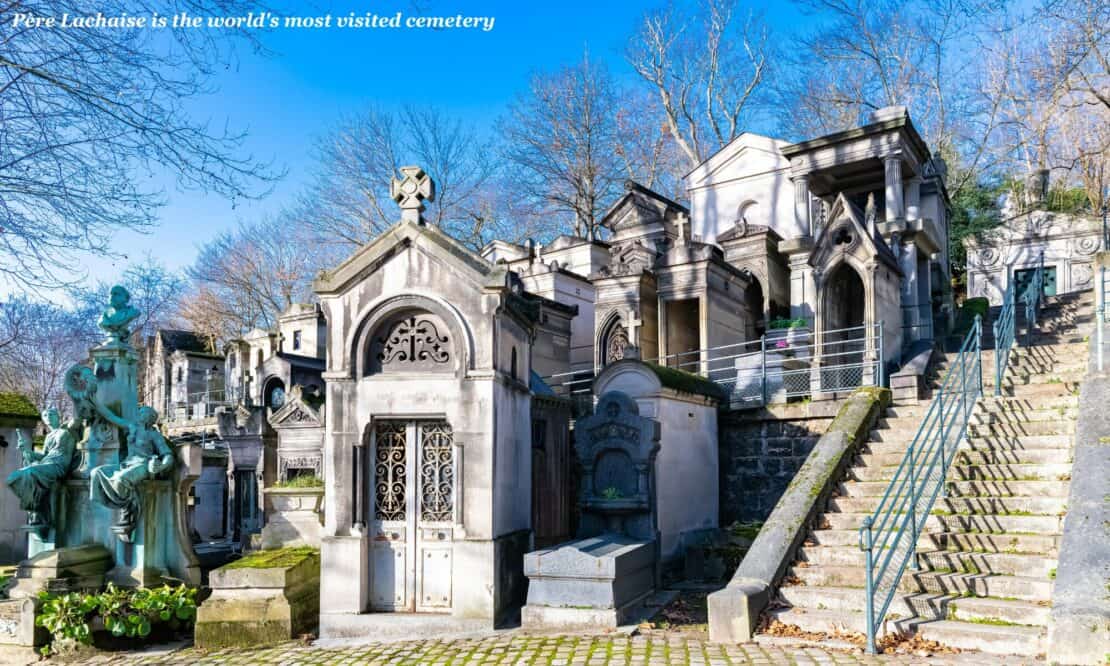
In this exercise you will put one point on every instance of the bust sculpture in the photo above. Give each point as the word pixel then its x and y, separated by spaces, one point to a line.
pixel 116 319
pixel 118 487
pixel 41 472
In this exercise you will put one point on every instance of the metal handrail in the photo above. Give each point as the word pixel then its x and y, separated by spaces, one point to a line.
pixel 848 357
pixel 889 535
pixel 1003 336
pixel 1033 297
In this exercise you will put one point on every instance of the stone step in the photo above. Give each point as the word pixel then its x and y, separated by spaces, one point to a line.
pixel 986 414
pixel 978 488
pixel 992 639
pixel 1042 544
pixel 822 621
pixel 1017 472
pixel 840 599
pixel 1057 427
pixel 989 401
pixel 957 523
pixel 1034 391
pixel 1014 443
pixel 1013 564
pixel 985 457
pixel 912 582
pixel 1014 379
pixel 971 609
pixel 1045 506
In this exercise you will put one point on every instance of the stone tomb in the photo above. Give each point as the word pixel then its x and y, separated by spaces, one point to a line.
pixel 597 580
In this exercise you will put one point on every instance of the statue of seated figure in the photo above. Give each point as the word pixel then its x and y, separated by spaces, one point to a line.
pixel 41 472
pixel 118 487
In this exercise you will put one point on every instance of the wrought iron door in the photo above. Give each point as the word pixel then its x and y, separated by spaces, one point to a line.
pixel 414 515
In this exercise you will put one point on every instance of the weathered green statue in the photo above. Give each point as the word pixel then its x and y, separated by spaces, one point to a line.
pixel 118 487
pixel 42 471
pixel 117 317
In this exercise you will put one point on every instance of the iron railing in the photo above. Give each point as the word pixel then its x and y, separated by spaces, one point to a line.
pixel 198 405
pixel 889 536
pixel 784 363
pixel 1003 336
pixel 1033 297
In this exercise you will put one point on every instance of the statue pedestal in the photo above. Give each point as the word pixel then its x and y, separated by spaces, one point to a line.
pixel 117 370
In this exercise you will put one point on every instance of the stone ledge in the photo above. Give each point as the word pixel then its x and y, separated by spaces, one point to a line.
pixel 1079 625
pixel 734 611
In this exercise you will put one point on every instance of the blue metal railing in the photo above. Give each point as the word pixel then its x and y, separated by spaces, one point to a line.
pixel 889 536
pixel 1033 297
pixel 1003 336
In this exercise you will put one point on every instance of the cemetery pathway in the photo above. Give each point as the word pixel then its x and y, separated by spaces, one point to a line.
pixel 517 648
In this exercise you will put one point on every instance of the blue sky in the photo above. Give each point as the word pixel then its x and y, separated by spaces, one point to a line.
pixel 314 77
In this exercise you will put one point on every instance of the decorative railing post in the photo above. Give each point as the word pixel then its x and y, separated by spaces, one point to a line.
pixel 867 543
pixel 979 348
pixel 882 361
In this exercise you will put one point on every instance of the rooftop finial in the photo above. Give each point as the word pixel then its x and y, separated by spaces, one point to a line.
pixel 411 191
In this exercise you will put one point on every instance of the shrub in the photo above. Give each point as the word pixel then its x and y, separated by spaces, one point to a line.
pixel 800 322
pixel 965 318
pixel 308 481
pixel 126 613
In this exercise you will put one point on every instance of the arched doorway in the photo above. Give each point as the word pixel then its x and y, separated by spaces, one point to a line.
pixel 843 341
pixel 274 394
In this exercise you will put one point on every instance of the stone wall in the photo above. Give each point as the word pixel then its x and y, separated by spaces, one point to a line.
pixel 760 452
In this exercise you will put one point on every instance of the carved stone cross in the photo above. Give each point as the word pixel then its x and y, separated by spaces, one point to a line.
pixel 634 324
pixel 411 191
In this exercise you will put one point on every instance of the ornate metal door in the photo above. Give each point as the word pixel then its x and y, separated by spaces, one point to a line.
pixel 414 516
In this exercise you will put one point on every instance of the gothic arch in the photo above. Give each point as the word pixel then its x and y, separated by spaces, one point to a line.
pixel 612 331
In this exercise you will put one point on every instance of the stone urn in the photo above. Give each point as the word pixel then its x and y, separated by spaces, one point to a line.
pixel 294 517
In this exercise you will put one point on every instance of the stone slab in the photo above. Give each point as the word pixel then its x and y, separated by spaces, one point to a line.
pixel 61 570
pixel 606 572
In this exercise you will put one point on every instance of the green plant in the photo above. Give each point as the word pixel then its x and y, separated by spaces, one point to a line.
pixel 67 616
pixel 612 493
pixel 306 481
pixel 799 322
pixel 124 612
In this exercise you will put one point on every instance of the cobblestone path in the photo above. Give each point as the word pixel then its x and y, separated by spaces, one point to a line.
pixel 655 650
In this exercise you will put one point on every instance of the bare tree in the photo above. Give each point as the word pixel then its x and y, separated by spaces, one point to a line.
pixel 88 114
pixel 155 291
pixel 1082 46
pixel 561 140
pixel 707 67
pixel 49 340
pixel 349 202
pixel 247 277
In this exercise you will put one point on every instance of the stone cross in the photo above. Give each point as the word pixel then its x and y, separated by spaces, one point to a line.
pixel 410 191
pixel 634 324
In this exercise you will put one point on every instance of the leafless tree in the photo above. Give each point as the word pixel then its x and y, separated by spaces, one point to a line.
pixel 50 339
pixel 560 141
pixel 349 203
pixel 245 278
pixel 90 115
pixel 707 66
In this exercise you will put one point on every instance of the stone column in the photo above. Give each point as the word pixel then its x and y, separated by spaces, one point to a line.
pixel 895 201
pixel 907 261
pixel 803 291
pixel 802 206
pixel 913 198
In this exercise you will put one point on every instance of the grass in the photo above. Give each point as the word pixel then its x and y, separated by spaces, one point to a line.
pixel 993 621
pixel 281 558
pixel 1052 574
pixel 310 481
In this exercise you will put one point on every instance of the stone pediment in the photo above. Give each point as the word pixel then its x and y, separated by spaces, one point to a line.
pixel 746 156
pixel 742 230
pixel 630 258
pixel 296 413
pixel 641 207
pixel 846 233
pixel 429 240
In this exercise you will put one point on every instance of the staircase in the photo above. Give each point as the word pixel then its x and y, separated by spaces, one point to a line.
pixel 987 559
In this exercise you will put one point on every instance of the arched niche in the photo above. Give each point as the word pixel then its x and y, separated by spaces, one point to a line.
pixel 612 340
pixel 380 319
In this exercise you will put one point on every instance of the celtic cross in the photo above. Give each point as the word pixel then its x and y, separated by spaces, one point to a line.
pixel 410 191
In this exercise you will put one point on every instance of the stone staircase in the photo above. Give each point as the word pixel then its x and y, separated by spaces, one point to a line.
pixel 987 559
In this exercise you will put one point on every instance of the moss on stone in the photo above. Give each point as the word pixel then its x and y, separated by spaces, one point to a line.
pixel 688 382
pixel 282 558
pixel 17 405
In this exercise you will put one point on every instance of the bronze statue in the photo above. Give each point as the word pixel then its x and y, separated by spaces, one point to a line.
pixel 41 472
pixel 116 319
pixel 148 455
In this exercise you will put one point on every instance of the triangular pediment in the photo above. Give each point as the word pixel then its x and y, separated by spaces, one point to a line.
pixel 641 207
pixel 296 413
pixel 745 156
pixel 427 239
pixel 846 233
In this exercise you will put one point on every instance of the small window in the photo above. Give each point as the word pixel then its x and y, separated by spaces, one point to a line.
pixel 296 340
pixel 180 374
pixel 512 365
